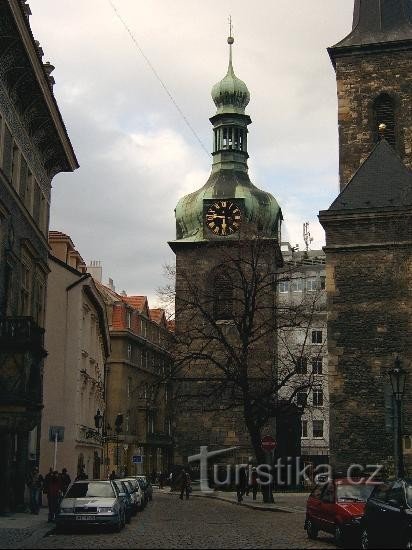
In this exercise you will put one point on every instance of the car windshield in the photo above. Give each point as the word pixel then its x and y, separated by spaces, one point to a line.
pixel 354 493
pixel 141 483
pixel 122 487
pixel 90 489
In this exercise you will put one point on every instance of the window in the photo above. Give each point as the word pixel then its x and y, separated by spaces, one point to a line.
pixel 318 397
pixel 297 285
pixel 322 282
pixel 223 297
pixel 129 351
pixel 384 110
pixel 39 296
pixel 317 337
pixel 25 292
pixel 28 197
pixel 36 203
pixel 301 399
pixel 304 428
pixel 312 284
pixel 301 365
pixel 23 180
pixel 283 287
pixel 129 319
pixel 318 429
pixel 129 387
pixel 317 365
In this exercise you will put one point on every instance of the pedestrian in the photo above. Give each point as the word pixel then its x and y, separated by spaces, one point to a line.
pixel 241 484
pixel 34 482
pixel 186 484
pixel 112 476
pixel 254 482
pixel 54 490
pixel 65 480
pixel 81 474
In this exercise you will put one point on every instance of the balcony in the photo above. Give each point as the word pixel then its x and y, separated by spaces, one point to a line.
pixel 21 334
pixel 159 439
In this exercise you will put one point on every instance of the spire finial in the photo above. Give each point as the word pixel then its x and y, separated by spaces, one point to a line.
pixel 230 41
pixel 382 129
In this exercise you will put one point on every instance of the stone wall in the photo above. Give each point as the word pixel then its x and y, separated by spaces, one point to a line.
pixel 360 80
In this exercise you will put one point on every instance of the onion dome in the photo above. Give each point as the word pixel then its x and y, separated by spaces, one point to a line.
pixel 230 95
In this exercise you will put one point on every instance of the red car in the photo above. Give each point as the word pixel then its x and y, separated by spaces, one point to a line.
pixel 337 506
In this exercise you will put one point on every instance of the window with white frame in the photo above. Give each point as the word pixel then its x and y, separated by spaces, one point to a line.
pixel 301 398
pixel 129 351
pixel 301 365
pixel 318 397
pixel 317 337
pixel 317 365
pixel 312 284
pixel 297 285
pixel 318 429
pixel 283 287
pixel 304 428
pixel 129 319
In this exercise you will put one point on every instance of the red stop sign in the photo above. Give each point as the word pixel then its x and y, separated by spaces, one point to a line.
pixel 268 443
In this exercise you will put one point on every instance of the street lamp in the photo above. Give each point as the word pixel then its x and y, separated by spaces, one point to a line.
pixel 397 376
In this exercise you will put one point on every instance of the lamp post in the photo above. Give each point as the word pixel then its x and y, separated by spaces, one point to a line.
pixel 397 376
pixel 118 429
pixel 98 423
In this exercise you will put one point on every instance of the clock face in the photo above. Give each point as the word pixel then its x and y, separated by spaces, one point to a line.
pixel 223 218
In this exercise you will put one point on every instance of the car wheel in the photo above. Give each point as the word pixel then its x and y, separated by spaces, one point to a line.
pixel 365 545
pixel 311 530
pixel 339 535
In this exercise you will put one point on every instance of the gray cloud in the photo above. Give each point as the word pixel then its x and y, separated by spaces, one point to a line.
pixel 137 156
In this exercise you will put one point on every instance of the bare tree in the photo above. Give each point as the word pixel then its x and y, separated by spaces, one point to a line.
pixel 228 325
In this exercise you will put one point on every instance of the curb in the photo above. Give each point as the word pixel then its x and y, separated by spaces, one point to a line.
pixel 268 508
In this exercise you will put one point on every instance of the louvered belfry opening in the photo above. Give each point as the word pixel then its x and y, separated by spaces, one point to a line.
pixel 223 297
pixel 385 114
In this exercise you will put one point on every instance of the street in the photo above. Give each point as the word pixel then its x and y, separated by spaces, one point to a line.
pixel 169 522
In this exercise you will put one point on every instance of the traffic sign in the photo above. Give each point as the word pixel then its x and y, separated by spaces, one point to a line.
pixel 268 444
pixel 137 459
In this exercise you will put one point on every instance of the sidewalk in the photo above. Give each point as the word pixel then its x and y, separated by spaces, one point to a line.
pixel 284 502
pixel 22 529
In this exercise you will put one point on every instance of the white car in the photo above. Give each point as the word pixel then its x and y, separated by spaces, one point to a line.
pixel 91 503
pixel 137 494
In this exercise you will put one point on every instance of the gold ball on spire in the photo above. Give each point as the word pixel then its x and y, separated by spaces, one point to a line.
pixel 230 40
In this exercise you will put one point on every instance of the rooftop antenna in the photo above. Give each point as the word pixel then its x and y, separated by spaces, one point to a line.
pixel 307 236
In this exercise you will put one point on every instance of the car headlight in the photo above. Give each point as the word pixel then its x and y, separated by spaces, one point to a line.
pixel 66 510
pixel 356 520
pixel 105 510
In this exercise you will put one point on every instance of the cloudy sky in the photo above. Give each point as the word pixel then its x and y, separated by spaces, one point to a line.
pixel 138 157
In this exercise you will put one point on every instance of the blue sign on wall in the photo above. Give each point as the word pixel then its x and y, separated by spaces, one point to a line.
pixel 137 459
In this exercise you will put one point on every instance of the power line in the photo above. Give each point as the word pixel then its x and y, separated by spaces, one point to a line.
pixel 127 28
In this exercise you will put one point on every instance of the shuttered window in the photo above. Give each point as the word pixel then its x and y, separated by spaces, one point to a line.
pixel 223 297
pixel 385 114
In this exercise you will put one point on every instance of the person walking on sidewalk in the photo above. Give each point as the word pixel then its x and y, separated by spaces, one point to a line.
pixel 185 486
pixel 53 494
pixel 35 484
pixel 241 484
pixel 254 482
pixel 65 481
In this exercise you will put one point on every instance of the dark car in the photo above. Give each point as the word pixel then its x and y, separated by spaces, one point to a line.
pixel 387 522
pixel 146 487
pixel 337 507
pixel 124 492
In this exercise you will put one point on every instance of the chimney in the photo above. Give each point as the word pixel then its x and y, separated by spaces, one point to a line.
pixel 111 285
pixel 96 270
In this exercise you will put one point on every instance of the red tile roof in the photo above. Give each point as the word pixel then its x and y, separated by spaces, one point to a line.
pixel 138 302
pixel 158 316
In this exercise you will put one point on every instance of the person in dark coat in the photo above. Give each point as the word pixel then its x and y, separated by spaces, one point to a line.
pixel 241 484
pixel 185 484
pixel 65 480
pixel 254 482
pixel 34 482
pixel 54 490
pixel 81 474
pixel 112 476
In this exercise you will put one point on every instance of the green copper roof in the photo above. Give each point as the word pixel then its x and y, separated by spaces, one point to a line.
pixel 259 207
pixel 230 94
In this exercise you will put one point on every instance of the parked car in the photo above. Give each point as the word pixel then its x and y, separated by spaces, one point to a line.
pixel 387 521
pixel 146 487
pixel 91 503
pixel 137 493
pixel 337 507
pixel 125 493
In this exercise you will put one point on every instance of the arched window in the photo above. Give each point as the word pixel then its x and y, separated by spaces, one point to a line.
pixel 384 110
pixel 222 297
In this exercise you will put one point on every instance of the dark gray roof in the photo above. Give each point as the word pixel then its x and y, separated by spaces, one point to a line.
pixel 382 181
pixel 379 21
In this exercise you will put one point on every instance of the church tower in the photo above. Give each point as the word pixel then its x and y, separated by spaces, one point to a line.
pixel 213 224
pixel 369 239
pixel 373 67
